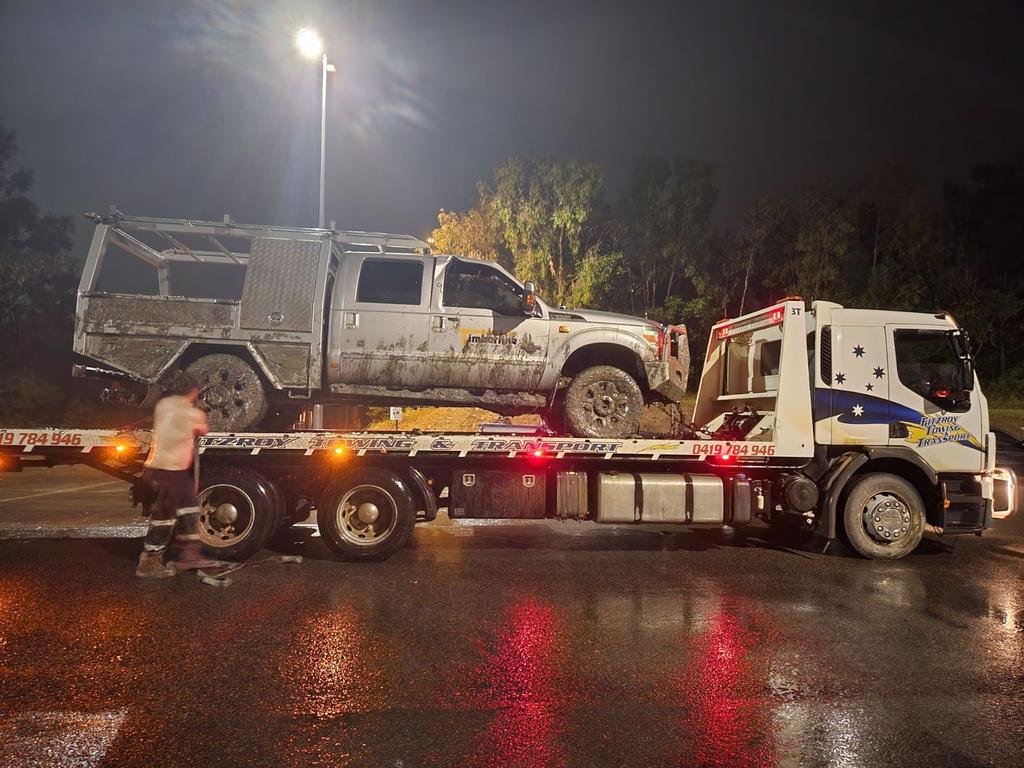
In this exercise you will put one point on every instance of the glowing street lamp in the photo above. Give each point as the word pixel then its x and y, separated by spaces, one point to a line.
pixel 311 46
pixel 309 43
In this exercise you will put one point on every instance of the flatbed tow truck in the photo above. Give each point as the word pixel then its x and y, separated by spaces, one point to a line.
pixel 864 424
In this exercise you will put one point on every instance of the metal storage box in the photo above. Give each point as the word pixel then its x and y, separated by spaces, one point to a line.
pixel 495 493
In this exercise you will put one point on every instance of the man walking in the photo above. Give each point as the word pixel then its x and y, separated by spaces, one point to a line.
pixel 174 519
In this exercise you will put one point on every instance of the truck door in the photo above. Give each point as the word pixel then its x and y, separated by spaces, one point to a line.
pixel 379 329
pixel 936 409
pixel 858 399
pixel 480 334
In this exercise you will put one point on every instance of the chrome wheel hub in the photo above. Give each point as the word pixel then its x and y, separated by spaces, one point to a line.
pixel 366 515
pixel 226 515
pixel 886 517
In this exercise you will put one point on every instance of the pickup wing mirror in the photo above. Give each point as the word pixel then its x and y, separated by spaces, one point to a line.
pixel 529 299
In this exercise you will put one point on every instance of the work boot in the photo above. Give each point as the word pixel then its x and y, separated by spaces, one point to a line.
pixel 191 557
pixel 151 566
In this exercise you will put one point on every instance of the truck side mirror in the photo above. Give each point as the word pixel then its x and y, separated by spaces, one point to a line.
pixel 529 299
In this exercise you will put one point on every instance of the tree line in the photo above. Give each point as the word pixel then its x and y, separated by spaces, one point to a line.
pixel 884 242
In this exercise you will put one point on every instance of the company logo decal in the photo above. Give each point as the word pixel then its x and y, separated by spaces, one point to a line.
pixel 548 446
pixel 237 441
pixel 922 429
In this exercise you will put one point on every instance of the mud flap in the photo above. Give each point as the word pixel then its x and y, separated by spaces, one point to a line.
pixel 834 483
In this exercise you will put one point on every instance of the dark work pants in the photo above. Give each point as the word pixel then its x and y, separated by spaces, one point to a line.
pixel 175 514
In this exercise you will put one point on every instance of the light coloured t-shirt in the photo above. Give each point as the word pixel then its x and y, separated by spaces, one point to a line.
pixel 176 422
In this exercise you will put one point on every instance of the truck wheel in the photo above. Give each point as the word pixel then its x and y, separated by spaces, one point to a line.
pixel 603 401
pixel 230 391
pixel 883 516
pixel 238 512
pixel 367 515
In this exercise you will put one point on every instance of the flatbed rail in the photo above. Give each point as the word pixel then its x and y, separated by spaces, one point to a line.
pixel 129 444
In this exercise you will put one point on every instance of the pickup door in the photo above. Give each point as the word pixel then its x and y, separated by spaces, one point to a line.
pixel 380 321
pixel 480 335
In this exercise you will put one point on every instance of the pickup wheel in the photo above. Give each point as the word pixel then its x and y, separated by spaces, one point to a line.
pixel 230 392
pixel 603 401
pixel 367 515
pixel 239 511
pixel 883 516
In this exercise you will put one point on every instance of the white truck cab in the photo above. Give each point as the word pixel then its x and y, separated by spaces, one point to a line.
pixel 884 406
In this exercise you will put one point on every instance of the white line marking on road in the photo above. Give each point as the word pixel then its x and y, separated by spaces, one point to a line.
pixel 58 738
pixel 62 490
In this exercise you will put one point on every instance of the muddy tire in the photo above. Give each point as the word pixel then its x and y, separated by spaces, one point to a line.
pixel 367 515
pixel 230 391
pixel 883 516
pixel 603 401
pixel 239 511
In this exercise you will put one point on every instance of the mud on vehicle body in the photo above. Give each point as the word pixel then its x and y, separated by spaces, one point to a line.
pixel 268 319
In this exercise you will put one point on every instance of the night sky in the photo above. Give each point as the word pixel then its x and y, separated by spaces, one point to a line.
pixel 196 108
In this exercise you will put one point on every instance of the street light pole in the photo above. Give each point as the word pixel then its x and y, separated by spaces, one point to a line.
pixel 323 132
pixel 311 46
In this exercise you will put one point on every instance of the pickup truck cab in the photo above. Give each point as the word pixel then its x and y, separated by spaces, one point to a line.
pixel 267 319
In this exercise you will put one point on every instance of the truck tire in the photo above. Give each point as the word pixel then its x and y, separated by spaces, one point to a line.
pixel 883 516
pixel 230 392
pixel 367 515
pixel 603 401
pixel 238 512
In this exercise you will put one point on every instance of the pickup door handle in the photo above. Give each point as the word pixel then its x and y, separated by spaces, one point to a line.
pixel 351 319
pixel 440 322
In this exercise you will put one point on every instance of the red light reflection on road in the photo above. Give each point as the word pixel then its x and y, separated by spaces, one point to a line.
pixel 727 724
pixel 520 681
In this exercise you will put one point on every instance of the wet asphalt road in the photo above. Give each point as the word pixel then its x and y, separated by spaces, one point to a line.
pixel 541 644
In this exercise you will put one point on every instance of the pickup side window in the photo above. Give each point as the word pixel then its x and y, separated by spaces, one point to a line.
pixel 928 364
pixel 389 281
pixel 480 286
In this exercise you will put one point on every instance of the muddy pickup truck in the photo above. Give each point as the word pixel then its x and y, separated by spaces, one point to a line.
pixel 270 319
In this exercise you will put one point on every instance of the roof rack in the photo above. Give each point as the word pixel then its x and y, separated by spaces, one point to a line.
pixel 217 251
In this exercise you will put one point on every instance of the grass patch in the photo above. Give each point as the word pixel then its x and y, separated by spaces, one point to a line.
pixel 1010 419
